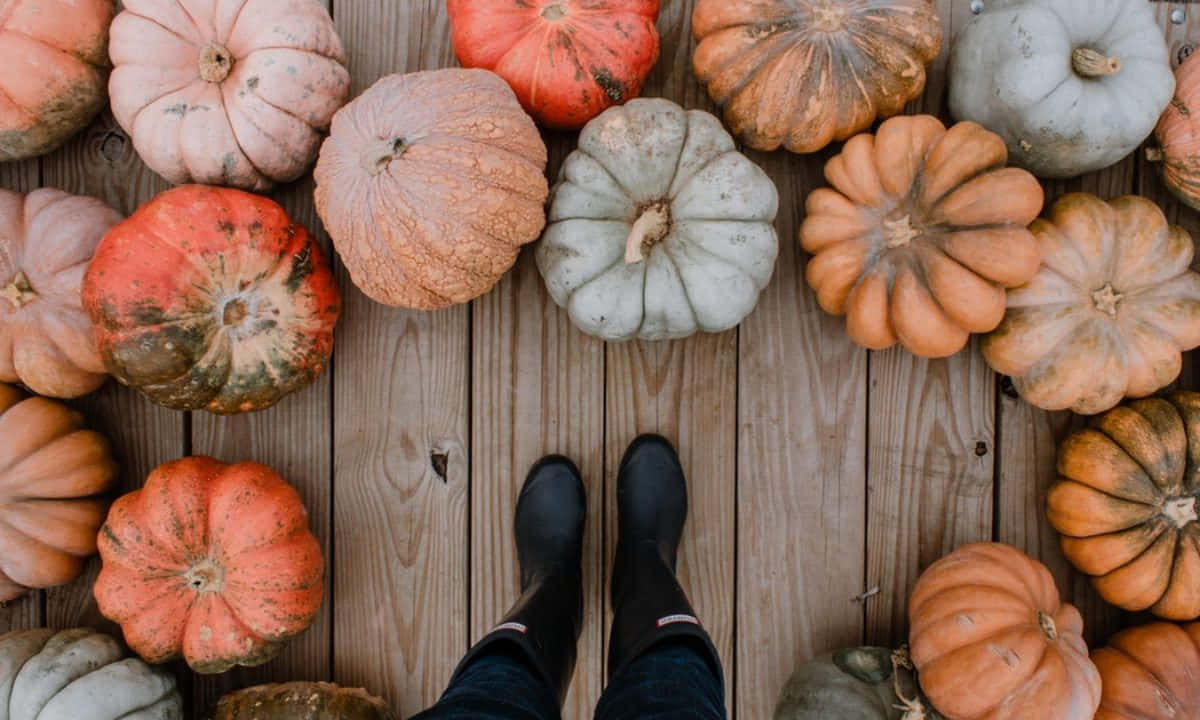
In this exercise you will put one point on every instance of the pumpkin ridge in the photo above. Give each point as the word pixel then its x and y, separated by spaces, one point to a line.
pixel 28 113
pixel 290 151
pixel 768 58
pixel 691 178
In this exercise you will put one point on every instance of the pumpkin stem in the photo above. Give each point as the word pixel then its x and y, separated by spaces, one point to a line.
pixel 899 233
pixel 235 312
pixel 1046 623
pixel 913 708
pixel 1155 154
pixel 19 292
pixel 1107 299
pixel 649 229
pixel 1092 63
pixel 1181 511
pixel 205 576
pixel 553 12
pixel 216 62
pixel 381 154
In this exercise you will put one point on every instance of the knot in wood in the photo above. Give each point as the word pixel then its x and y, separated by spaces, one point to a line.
pixel 1107 299
pixel 899 233
pixel 19 292
pixel 216 62
pixel 1181 511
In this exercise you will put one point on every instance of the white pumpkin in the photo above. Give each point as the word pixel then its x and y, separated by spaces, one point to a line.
pixel 1072 86
pixel 659 227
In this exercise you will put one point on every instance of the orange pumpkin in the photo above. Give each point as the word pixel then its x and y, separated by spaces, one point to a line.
pixel 803 73
pixel 1178 135
pixel 1151 672
pixel 53 66
pixel 1126 504
pixel 992 641
pixel 211 562
pixel 923 230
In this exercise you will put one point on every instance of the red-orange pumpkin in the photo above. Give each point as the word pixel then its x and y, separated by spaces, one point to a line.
pixel 1151 672
pixel 567 60
pixel 211 562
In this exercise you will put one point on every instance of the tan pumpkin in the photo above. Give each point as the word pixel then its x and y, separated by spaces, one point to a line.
pixel 921 233
pixel 1109 311
pixel 1178 135
pixel 802 73
pixel 429 185
pixel 1151 672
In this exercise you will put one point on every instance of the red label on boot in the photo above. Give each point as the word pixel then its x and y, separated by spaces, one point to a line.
pixel 672 619
pixel 515 626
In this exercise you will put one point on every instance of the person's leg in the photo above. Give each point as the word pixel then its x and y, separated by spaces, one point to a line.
pixel 498 685
pixel 673 680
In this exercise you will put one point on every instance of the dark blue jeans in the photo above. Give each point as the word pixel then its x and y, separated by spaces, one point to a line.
pixel 670 682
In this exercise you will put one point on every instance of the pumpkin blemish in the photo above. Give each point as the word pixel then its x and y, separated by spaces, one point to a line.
pixel 611 87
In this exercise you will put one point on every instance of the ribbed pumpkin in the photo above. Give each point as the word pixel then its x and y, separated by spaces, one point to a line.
pixel 227 93
pixel 992 641
pixel 803 73
pixel 567 60
pixel 1108 313
pixel 1178 135
pixel 1126 504
pixel 211 298
pixel 53 66
pixel 210 562
pixel 1151 672
pixel 52 474
pixel 429 185
pixel 861 683
pixel 302 701
pixel 921 233
pixel 46 340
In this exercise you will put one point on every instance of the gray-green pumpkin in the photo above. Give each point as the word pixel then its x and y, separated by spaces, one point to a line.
pixel 853 684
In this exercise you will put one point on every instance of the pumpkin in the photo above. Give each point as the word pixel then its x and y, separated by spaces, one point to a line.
pixel 1073 86
pixel 1108 312
pixel 46 341
pixel 921 233
pixel 567 60
pixel 231 93
pixel 52 472
pixel 212 298
pixel 803 73
pixel 302 701
pixel 861 683
pixel 1150 673
pixel 80 674
pixel 429 184
pixel 991 640
pixel 54 55
pixel 1126 504
pixel 210 562
pixel 1178 136
pixel 658 227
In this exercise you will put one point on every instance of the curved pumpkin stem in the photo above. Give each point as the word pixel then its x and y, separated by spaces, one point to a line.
pixel 913 708
pixel 649 229
pixel 1093 64
pixel 19 292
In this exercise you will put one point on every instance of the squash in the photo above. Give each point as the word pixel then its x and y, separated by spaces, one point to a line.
pixel 302 701
pixel 1126 504
pixel 658 227
pixel 1109 311
pixel 52 475
pixel 921 233
pixel 803 73
pixel 80 674
pixel 429 185
pixel 1073 86
pixel 210 562
pixel 1178 136
pixel 54 55
pixel 231 93
pixel 211 298
pixel 862 683
pixel 46 241
pixel 1150 673
pixel 990 639
pixel 567 60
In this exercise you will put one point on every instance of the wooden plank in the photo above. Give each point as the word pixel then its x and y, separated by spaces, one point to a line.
pixel 401 465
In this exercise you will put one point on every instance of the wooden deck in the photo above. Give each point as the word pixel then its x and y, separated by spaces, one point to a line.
pixel 823 477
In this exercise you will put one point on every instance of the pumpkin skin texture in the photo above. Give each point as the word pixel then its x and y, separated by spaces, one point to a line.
pixel 210 562
pixel 80 674
pixel 1073 86
pixel 857 60
pixel 52 473
pixel 1178 136
pixel 864 683
pixel 55 59
pixel 302 701
pixel 46 340
pixel 211 298
pixel 659 227
pixel 1109 311
pixel 921 233
pixel 1150 673
pixel 429 184
pixel 567 60
pixel 991 640
pixel 231 92
pixel 1126 505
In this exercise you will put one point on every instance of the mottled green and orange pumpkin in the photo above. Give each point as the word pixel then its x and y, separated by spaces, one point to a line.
pixel 302 701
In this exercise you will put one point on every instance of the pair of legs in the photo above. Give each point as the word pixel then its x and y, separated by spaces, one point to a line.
pixel 661 663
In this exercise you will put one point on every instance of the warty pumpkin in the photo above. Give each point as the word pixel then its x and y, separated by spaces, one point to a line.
pixel 53 474
pixel 210 562
pixel 80 674
pixel 212 298
pixel 921 233
pixel 1178 136
pixel 302 701
pixel 1126 504
pixel 1150 672
pixel 429 184
pixel 992 641
pixel 237 92
pixel 659 227
pixel 803 73
pixel 1109 311
pixel 567 60
pixel 861 683
pixel 1073 86
pixel 46 340
pixel 54 55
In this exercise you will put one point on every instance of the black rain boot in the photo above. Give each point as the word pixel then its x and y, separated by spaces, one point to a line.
pixel 649 606
pixel 546 621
